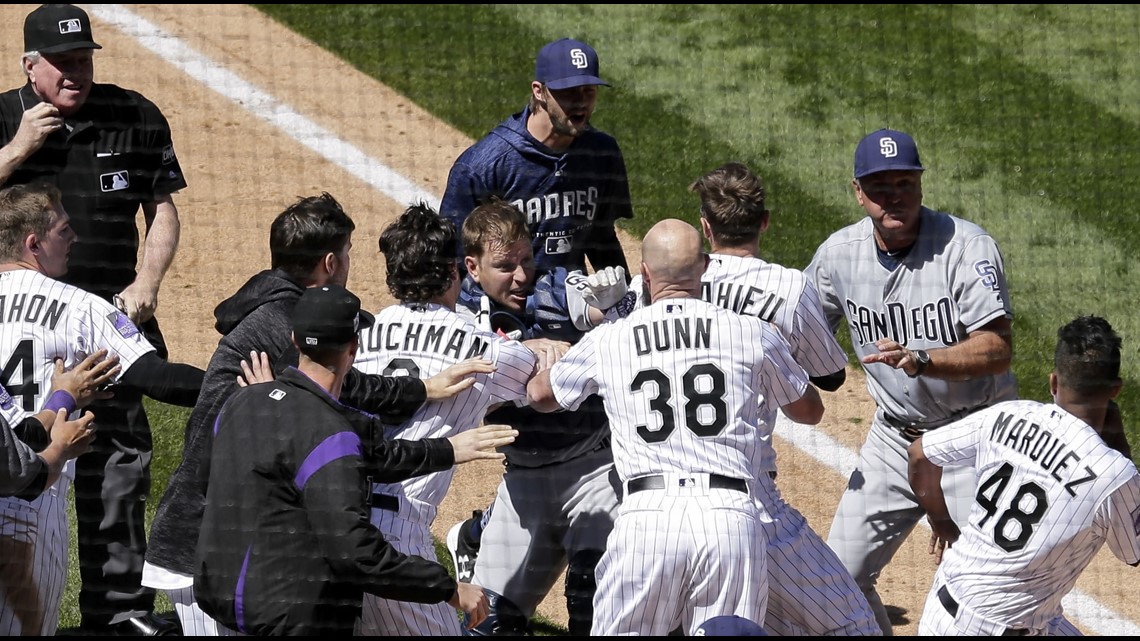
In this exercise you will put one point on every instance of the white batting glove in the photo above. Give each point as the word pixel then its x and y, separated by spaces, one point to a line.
pixel 483 316
pixel 604 288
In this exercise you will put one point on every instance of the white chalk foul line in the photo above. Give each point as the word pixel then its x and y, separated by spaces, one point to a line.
pixel 328 145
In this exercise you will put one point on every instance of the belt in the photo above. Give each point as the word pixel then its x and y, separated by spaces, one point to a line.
pixel 657 482
pixel 951 606
pixel 909 431
pixel 386 502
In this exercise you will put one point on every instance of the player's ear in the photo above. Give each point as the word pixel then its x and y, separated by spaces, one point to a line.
pixel 1053 384
pixel 765 218
pixel 32 243
pixel 472 267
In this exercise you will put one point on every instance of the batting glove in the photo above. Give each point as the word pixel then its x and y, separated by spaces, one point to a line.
pixel 604 288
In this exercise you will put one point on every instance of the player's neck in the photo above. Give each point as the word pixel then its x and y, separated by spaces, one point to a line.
pixel 539 126
pixel 752 251
pixel 19 264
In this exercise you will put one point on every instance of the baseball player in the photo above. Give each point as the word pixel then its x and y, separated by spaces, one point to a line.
pixel 682 381
pixel 802 569
pixel 555 504
pixel 1051 492
pixel 46 320
pixel 924 297
pixel 421 336
pixel 567 177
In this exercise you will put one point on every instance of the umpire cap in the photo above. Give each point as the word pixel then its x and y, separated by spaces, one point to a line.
pixel 56 28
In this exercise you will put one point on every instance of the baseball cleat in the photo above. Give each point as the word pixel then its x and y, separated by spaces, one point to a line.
pixel 462 548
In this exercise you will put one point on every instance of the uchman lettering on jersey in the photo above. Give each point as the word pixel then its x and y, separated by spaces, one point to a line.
pixel 24 308
pixel 457 343
pixel 1042 447
pixel 931 322
pixel 579 203
pixel 750 300
pixel 672 333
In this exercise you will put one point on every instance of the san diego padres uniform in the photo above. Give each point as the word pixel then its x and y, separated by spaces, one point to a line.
pixel 950 283
pixel 556 502
pixel 422 340
pixel 42 319
pixel 682 381
pixel 1050 494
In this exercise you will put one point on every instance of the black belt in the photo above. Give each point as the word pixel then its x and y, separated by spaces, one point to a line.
pixel 386 502
pixel 909 431
pixel 657 482
pixel 951 606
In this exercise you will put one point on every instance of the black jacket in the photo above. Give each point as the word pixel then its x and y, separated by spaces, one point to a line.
pixel 256 318
pixel 286 546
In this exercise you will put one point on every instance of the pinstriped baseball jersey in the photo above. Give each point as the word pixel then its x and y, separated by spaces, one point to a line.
pixel 785 298
pixel 1050 493
pixel 950 283
pixel 42 319
pixel 422 340
pixel 682 381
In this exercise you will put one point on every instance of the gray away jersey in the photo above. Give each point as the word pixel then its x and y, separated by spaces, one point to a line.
pixel 682 381
pixel 951 283
pixel 422 341
pixel 1050 494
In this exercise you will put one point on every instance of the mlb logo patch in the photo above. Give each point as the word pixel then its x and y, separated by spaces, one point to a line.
pixel 122 324
pixel 277 394
pixel 5 399
pixel 70 26
pixel 168 154
pixel 674 308
pixel 114 181
pixel 558 246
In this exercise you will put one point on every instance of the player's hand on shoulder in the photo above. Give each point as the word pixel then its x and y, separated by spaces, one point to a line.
pixel 456 378
pixel 138 301
pixel 481 442
pixel 546 351
pixel 87 381
pixel 255 370
pixel 71 438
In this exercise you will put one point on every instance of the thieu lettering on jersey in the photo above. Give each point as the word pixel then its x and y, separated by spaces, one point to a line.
pixel 931 322
pixel 578 203
pixel 33 309
pixel 1042 447
pixel 672 333
pixel 749 301
pixel 455 342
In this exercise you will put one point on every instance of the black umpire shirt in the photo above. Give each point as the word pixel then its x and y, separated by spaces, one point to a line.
pixel 113 155
pixel 286 547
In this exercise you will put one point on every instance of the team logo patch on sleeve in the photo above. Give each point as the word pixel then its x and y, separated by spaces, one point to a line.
pixel 5 398
pixel 122 324
pixel 168 154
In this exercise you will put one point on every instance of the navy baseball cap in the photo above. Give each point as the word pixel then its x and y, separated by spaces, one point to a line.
pixel 328 316
pixel 886 150
pixel 567 63
pixel 56 28
pixel 730 626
